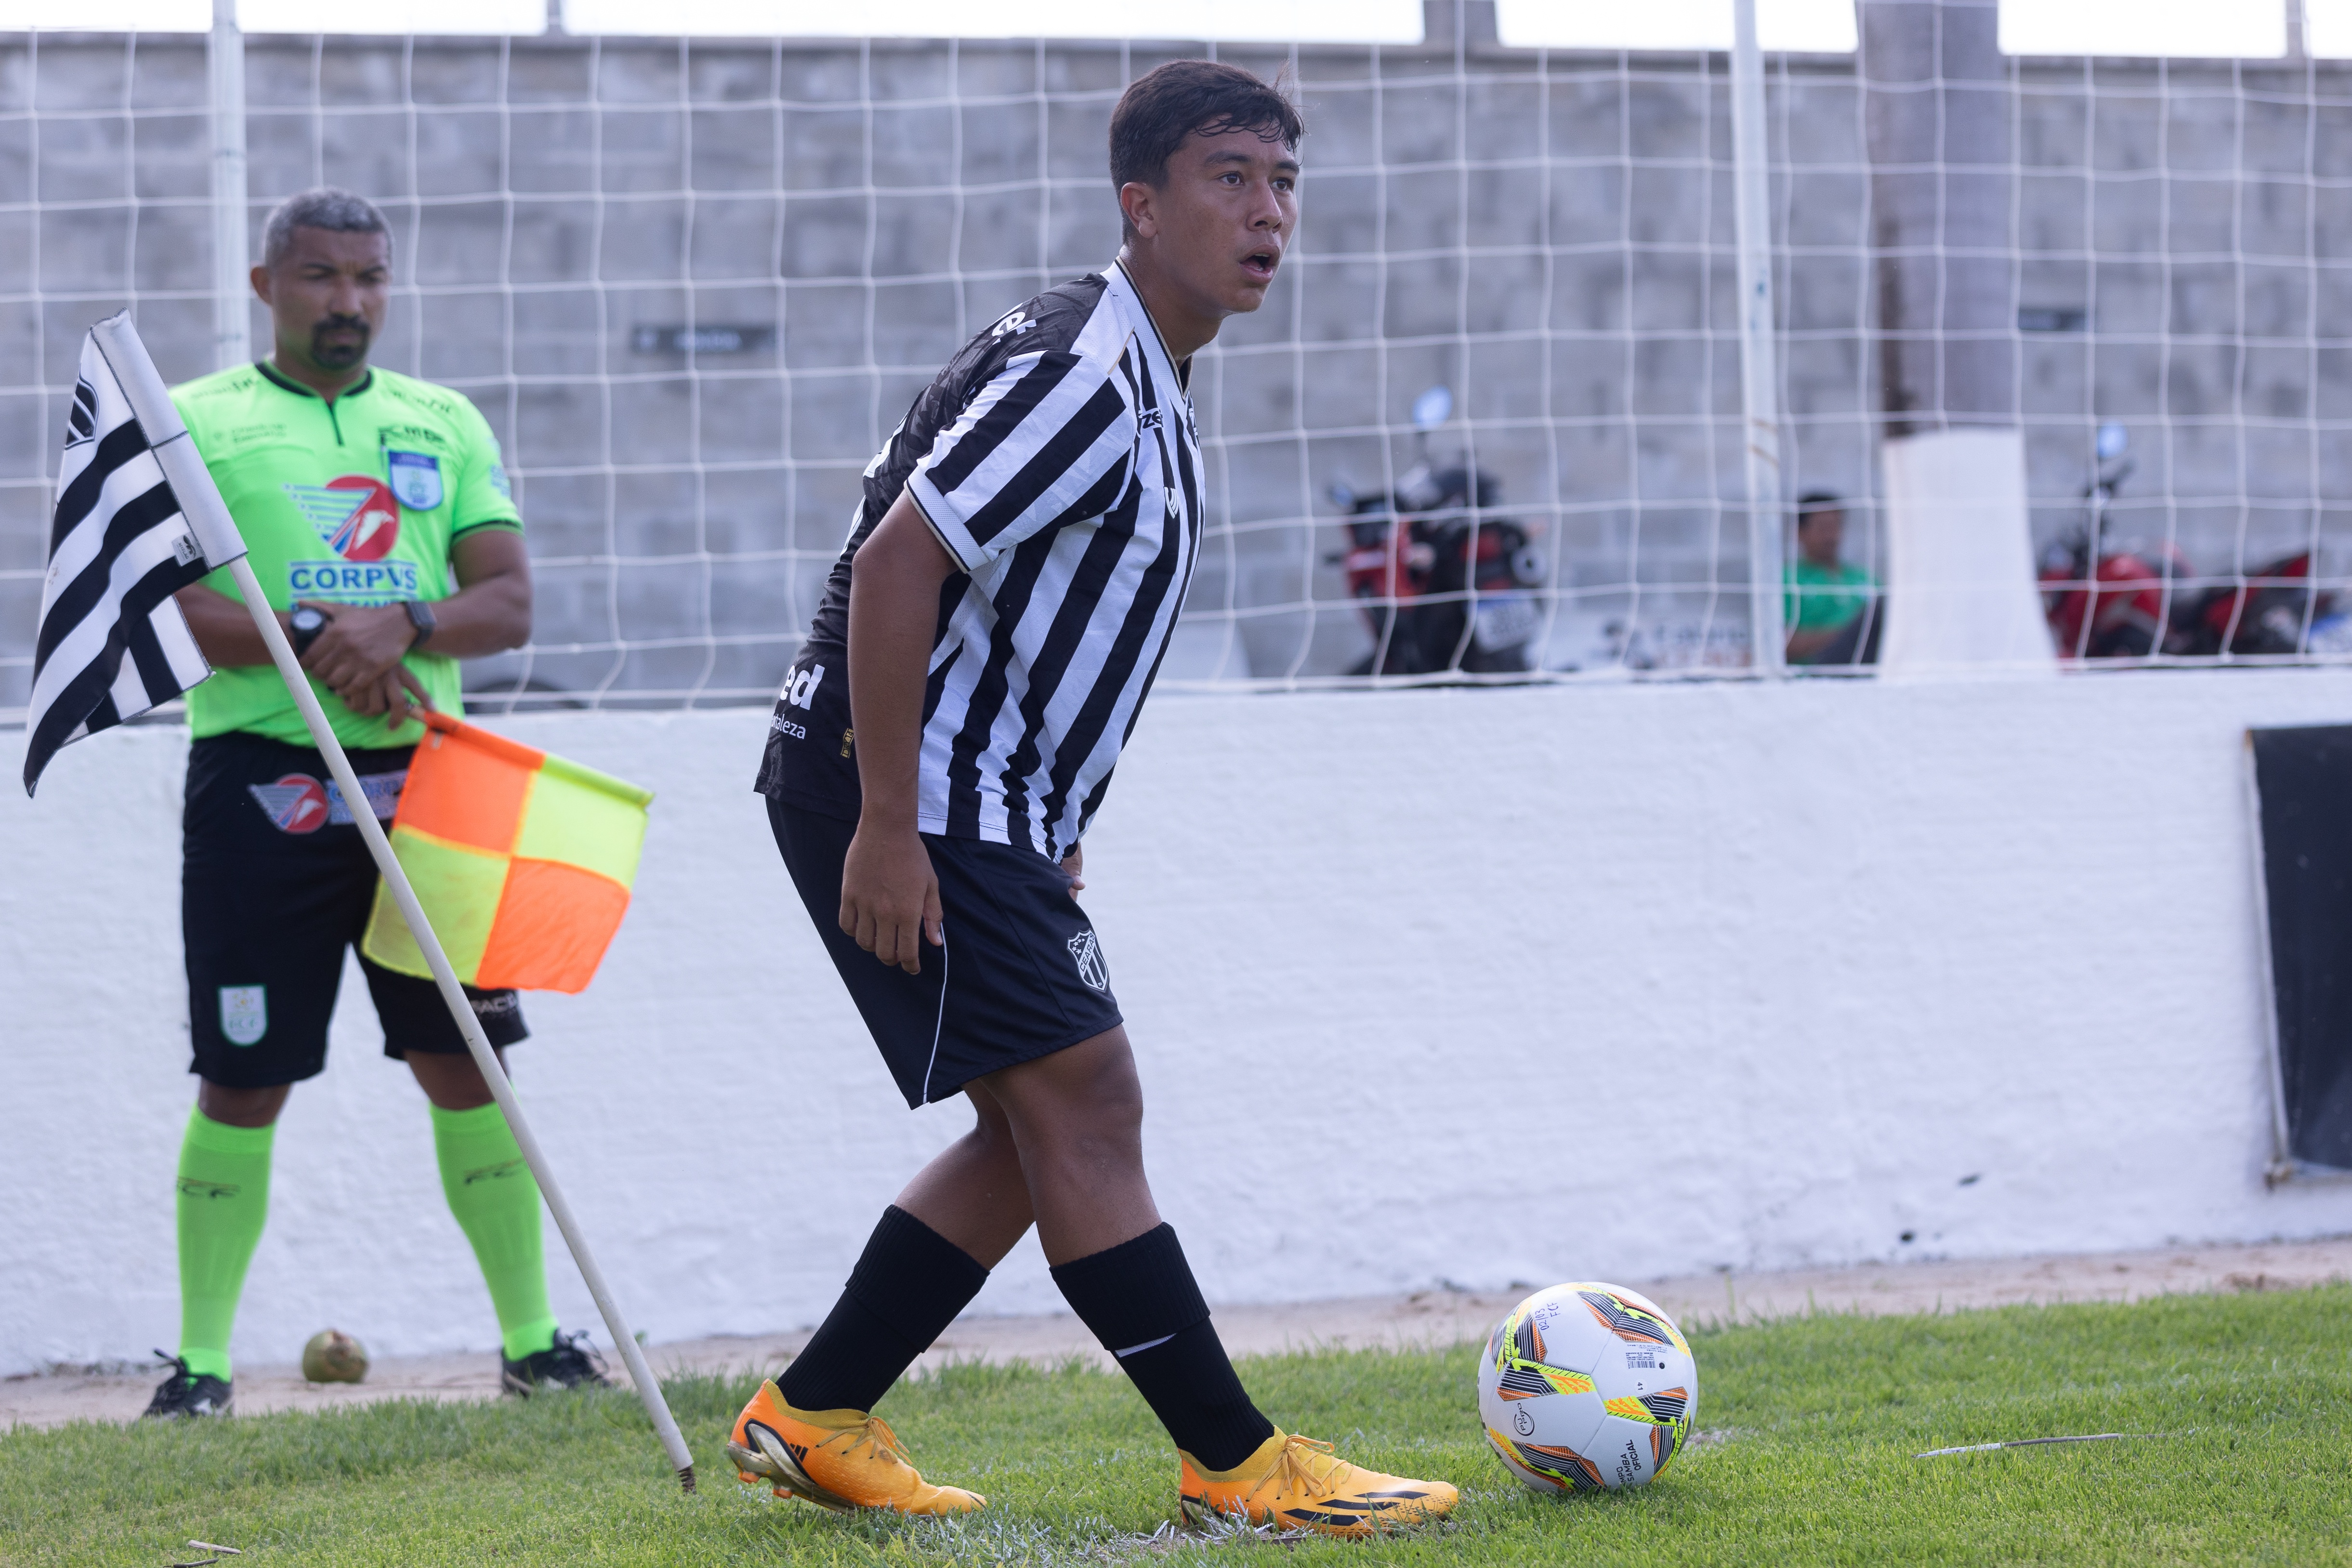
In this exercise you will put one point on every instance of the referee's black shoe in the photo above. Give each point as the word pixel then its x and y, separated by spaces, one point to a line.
pixel 569 1363
pixel 186 1393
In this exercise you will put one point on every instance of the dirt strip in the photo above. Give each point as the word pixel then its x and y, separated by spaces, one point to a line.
pixel 1423 1318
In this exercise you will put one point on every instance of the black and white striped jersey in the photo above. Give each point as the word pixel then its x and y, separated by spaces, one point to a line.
pixel 1057 460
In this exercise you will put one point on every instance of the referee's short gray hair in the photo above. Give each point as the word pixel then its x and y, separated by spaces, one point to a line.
pixel 324 207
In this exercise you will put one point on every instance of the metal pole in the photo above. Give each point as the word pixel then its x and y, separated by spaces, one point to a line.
pixel 1759 377
pixel 232 334
pixel 216 535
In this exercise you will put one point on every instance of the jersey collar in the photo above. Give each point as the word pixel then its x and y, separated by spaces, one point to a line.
pixel 1132 298
pixel 299 390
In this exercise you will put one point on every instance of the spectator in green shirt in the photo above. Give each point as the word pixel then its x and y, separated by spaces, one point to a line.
pixel 1829 608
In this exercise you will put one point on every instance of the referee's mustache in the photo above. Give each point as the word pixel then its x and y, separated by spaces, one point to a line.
pixel 336 354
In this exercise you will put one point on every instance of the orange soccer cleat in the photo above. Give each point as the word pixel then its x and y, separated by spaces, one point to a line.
pixel 1298 1483
pixel 840 1459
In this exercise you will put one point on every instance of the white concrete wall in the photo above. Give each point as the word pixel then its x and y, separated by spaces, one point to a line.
pixel 1482 986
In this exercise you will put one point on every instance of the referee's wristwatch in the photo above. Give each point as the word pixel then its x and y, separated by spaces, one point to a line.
pixel 420 615
pixel 307 623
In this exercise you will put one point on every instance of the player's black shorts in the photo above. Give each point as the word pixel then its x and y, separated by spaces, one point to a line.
pixel 1021 975
pixel 275 883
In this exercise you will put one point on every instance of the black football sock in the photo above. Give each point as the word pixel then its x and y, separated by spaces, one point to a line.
pixel 907 1286
pixel 1139 1300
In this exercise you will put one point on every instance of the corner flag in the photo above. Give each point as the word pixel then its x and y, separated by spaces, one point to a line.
pixel 122 544
pixel 139 516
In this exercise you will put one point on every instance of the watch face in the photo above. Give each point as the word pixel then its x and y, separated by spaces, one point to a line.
pixel 308 620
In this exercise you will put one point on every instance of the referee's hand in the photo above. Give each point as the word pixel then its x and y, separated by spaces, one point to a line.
pixel 888 894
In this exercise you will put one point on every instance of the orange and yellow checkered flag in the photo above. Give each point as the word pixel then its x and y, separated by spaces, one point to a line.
pixel 522 861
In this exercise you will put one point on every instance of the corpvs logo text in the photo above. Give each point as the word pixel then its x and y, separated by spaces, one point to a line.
pixel 358 517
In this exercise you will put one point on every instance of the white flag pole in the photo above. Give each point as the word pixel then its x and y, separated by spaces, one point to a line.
pixel 199 497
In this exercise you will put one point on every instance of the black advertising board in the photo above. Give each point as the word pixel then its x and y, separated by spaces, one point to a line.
pixel 2303 789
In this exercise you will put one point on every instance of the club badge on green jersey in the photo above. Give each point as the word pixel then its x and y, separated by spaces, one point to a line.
pixel 415 478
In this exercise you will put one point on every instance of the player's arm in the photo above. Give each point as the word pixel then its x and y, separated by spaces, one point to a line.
pixel 888 891
pixel 357 656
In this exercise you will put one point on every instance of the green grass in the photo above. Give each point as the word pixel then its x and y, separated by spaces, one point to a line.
pixel 1815 1423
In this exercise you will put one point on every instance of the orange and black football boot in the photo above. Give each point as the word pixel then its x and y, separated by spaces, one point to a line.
pixel 840 1459
pixel 1298 1483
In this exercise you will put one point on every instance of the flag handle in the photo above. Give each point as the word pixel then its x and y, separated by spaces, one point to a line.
pixel 264 621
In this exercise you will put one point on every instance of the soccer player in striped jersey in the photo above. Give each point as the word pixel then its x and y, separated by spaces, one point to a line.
pixel 984 644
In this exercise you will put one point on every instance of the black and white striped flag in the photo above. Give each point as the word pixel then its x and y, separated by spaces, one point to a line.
pixel 133 526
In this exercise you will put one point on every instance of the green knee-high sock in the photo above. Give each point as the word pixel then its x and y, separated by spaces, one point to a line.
pixel 224 1198
pixel 496 1203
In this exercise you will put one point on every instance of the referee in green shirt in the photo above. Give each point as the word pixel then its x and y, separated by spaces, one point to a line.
pixel 376 515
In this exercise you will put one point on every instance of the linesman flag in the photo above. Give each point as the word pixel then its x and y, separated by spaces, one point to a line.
pixel 521 862
pixel 133 526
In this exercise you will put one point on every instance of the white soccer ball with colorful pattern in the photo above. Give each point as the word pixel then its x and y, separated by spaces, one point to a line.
pixel 1587 1386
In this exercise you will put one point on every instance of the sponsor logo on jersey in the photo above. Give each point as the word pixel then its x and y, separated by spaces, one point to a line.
pixel 1013 324
pixel 357 517
pixel 244 1014
pixel 415 478
pixel 799 687
pixel 297 802
pixel 1088 953
pixel 341 583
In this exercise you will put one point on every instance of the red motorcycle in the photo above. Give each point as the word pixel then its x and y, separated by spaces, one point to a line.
pixel 2128 604
pixel 1442 585
pixel 2270 611
pixel 2117 605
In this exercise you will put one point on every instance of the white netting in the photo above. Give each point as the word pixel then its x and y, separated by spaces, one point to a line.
pixel 693 283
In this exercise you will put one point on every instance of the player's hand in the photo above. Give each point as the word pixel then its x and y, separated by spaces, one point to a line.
pixel 361 642
pixel 1074 865
pixel 888 894
pixel 394 694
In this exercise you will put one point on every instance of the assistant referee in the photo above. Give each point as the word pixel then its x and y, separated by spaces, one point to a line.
pixel 377 517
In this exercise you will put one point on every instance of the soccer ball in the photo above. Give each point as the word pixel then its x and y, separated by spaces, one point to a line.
pixel 1586 1386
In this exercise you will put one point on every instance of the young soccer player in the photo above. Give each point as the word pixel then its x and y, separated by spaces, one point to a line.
pixel 984 644
pixel 377 517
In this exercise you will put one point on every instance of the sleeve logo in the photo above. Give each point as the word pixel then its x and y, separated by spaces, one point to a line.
pixel 417 479
pixel 356 516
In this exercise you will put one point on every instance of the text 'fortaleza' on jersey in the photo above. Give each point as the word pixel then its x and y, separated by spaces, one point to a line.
pixel 357 501
pixel 1057 460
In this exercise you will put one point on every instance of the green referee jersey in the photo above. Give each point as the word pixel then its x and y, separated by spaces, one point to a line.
pixel 357 501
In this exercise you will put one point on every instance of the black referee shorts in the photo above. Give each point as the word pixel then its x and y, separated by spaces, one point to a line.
pixel 275 883
pixel 1021 975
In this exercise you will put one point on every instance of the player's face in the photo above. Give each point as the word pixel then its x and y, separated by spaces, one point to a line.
pixel 326 297
pixel 1224 219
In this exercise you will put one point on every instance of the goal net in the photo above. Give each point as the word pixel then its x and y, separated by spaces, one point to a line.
pixel 694 282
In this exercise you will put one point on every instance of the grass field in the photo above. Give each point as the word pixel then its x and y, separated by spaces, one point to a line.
pixel 1811 1424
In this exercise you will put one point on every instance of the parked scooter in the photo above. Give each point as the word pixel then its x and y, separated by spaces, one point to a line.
pixel 1442 585
pixel 2269 611
pixel 2118 604
pixel 2132 604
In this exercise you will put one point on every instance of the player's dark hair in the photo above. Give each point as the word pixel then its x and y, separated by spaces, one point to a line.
pixel 324 207
pixel 1185 98
pixel 1812 502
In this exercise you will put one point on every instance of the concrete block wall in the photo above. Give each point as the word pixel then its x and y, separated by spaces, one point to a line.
pixel 1550 235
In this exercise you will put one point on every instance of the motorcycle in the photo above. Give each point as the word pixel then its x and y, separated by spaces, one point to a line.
pixel 1442 585
pixel 2119 604
pixel 2125 605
